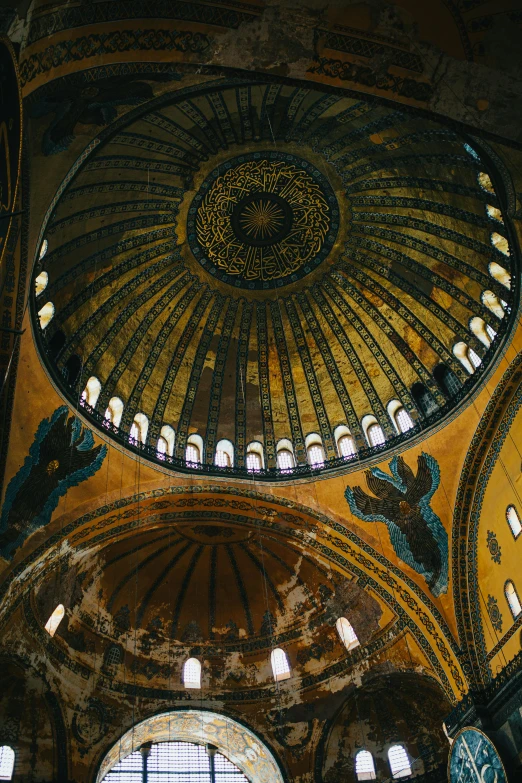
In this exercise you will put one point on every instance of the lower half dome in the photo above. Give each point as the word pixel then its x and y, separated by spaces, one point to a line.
pixel 221 591
pixel 252 277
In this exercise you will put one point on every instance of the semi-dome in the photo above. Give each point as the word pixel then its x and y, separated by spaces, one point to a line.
pixel 252 268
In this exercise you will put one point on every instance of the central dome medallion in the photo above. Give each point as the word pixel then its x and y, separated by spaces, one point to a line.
pixel 263 220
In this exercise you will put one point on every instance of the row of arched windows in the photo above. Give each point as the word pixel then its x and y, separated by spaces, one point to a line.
pixel 192 667
pixel 255 461
pixel 400 765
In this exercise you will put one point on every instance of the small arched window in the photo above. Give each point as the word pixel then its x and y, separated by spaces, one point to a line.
pixel 91 392
pixel 400 417
pixel 285 455
pixel 139 429
pixel 165 443
pixel 500 274
pixel 485 182
pixel 512 599
pixel 399 762
pixel 500 243
pixel 463 354
pixel 285 460
pixel 45 314
pixel 423 399
pixel 114 411
pixel 345 442
pixel 280 665
pixel 194 449
pixel 446 379
pixel 346 633
pixel 479 328
pixel 192 673
pixel 7 760
pixel 40 284
pixel 493 303
pixel 254 456
pixel 224 454
pixel 55 619
pixel 364 766
pixel 113 655
pixel 372 430
pixel 314 450
pixel 44 247
pixel 495 213
pixel 513 521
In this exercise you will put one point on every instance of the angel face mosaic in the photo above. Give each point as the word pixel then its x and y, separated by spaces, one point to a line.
pixel 263 220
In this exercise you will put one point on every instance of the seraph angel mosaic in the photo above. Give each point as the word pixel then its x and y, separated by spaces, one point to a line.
pixel 402 501
pixel 62 455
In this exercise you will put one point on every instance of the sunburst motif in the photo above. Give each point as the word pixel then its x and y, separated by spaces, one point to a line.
pixel 262 219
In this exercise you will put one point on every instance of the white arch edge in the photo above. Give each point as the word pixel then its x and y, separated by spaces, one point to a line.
pixel 237 742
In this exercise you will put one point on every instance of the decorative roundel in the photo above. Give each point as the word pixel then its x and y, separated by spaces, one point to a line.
pixel 263 220
pixel 474 759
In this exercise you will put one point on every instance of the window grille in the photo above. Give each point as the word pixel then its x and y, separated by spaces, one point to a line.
pixel 513 599
pixel 315 456
pixel 253 461
pixel 399 762
pixel 285 459
pixel 375 435
pixel 346 446
pixel 192 454
pixel 364 766
pixel 346 633
pixel 175 762
pixel 475 358
pixel 491 332
pixel 280 665
pixel 7 760
pixel 403 419
pixel 192 673
pixel 514 521
pixel 222 459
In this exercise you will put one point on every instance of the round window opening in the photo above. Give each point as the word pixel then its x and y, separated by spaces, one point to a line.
pixel 189 744
pixel 263 220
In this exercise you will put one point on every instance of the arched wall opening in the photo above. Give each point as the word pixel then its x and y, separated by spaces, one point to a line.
pixel 232 739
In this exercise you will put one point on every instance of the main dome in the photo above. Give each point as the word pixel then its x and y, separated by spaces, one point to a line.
pixel 273 267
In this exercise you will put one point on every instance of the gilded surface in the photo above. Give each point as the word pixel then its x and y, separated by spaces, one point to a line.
pixel 263 222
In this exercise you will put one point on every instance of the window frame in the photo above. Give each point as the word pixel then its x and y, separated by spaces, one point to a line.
pixel 515 592
pixel 286 671
pixel 365 774
pixel 192 683
pixel 404 772
pixel 515 535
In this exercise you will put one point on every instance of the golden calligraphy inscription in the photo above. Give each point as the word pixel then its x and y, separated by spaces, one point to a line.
pixel 263 220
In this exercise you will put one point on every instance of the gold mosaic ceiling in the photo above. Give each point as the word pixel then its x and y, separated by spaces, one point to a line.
pixel 257 261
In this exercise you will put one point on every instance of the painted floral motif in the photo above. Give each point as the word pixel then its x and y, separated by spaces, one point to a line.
pixel 493 546
pixel 495 614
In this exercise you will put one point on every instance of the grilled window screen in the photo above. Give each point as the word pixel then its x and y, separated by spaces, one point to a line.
pixel 175 762
pixel 7 759
pixel 364 766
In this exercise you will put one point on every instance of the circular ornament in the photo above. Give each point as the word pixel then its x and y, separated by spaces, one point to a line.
pixel 474 759
pixel 263 220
